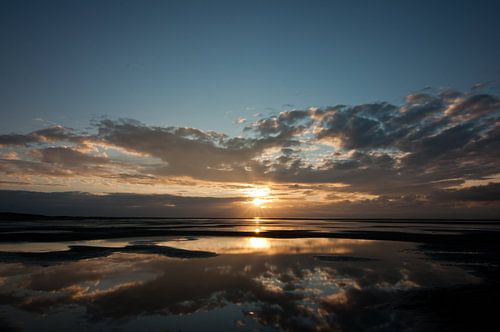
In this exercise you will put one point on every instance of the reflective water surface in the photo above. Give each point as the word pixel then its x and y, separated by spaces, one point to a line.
pixel 217 283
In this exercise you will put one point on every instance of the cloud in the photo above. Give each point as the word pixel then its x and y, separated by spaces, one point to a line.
pixel 474 202
pixel 430 143
pixel 49 134
pixel 115 204
pixel 485 193
pixel 68 157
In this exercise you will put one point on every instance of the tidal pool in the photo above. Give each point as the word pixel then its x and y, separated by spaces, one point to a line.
pixel 252 283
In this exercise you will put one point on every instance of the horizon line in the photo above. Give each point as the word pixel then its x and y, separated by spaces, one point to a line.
pixel 388 219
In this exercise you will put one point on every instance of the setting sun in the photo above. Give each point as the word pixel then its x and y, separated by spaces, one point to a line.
pixel 259 196
pixel 259 201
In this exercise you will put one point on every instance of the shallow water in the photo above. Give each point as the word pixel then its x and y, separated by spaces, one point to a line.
pixel 244 283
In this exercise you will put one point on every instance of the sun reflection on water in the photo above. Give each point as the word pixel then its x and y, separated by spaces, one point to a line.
pixel 259 243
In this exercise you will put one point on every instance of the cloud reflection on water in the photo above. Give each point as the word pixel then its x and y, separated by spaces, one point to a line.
pixel 275 283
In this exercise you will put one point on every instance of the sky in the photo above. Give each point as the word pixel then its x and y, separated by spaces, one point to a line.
pixel 244 108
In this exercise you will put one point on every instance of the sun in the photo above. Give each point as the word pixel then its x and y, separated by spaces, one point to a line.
pixel 258 201
pixel 259 196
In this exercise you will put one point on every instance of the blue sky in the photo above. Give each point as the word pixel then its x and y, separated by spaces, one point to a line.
pixel 203 64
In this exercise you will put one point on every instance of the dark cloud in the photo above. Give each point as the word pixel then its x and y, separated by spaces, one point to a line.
pixel 285 125
pixel 68 157
pixel 475 106
pixel 115 204
pixel 473 202
pixel 486 193
pixel 359 127
pixel 50 134
pixel 15 139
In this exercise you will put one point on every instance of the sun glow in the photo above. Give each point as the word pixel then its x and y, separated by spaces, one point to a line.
pixel 258 192
pixel 260 196
pixel 258 243
pixel 258 202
